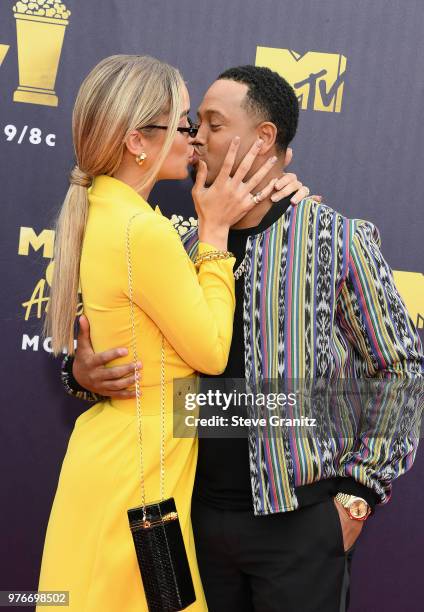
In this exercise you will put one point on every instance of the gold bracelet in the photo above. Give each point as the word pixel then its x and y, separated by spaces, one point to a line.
pixel 212 256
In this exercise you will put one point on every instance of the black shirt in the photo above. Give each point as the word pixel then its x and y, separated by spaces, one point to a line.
pixel 223 473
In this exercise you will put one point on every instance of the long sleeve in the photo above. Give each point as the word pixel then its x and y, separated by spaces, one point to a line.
pixel 374 320
pixel 193 310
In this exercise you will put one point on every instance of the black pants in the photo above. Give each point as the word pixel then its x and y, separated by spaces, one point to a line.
pixel 285 562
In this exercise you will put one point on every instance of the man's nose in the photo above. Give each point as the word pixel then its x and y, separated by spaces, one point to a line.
pixel 199 139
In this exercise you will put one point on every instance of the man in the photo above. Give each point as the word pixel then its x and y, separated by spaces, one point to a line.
pixel 315 299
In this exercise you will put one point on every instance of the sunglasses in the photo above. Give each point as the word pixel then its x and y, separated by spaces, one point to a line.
pixel 191 131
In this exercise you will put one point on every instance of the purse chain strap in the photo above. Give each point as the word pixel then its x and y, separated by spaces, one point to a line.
pixel 137 384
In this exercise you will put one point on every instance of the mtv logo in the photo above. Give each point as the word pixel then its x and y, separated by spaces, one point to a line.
pixel 317 78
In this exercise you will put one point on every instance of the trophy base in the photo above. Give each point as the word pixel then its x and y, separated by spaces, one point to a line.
pixel 35 97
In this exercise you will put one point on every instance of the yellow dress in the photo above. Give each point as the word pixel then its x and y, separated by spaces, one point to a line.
pixel 88 549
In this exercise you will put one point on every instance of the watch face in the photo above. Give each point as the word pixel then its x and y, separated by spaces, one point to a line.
pixel 358 509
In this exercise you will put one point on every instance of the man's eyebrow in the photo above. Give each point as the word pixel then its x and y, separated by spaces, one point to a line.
pixel 211 111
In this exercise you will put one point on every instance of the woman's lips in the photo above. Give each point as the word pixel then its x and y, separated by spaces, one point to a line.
pixel 193 159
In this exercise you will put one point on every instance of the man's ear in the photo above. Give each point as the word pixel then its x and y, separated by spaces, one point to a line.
pixel 135 142
pixel 268 132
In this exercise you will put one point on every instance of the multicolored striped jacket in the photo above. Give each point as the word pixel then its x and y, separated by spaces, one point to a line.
pixel 320 302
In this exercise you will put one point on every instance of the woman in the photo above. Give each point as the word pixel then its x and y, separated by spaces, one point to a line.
pixel 130 129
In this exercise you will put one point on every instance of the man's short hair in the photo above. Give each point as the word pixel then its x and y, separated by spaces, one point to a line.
pixel 269 96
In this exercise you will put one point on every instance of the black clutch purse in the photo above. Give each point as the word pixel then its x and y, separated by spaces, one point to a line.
pixel 155 527
pixel 161 556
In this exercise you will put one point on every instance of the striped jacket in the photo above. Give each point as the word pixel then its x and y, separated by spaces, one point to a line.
pixel 320 302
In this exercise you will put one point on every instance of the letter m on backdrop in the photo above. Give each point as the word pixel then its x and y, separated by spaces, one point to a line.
pixel 44 240
pixel 317 78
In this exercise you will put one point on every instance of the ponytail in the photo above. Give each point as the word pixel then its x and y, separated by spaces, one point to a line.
pixel 70 227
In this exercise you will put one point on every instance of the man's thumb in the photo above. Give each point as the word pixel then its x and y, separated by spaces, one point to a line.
pixel 83 331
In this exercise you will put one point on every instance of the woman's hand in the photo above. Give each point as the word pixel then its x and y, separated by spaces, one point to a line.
pixel 228 199
pixel 288 183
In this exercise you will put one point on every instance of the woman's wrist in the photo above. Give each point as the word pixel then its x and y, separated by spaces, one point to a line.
pixel 217 237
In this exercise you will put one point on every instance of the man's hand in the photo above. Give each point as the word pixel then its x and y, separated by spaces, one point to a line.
pixel 350 528
pixel 288 183
pixel 90 371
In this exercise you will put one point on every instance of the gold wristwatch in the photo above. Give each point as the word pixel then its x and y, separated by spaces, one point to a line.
pixel 356 507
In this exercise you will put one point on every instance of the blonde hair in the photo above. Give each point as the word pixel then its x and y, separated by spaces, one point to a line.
pixel 120 94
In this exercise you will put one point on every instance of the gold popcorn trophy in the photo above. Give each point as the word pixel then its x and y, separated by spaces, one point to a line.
pixel 40 30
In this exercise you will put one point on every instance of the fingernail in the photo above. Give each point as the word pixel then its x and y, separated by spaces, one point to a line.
pixel 138 364
pixel 259 142
pixel 123 352
pixel 274 198
pixel 236 139
pixel 273 160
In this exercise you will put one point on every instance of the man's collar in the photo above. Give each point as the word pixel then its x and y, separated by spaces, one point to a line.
pixel 273 215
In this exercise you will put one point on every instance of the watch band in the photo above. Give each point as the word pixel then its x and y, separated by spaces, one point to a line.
pixel 346 500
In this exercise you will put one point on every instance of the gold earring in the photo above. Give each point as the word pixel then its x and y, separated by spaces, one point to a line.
pixel 140 159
